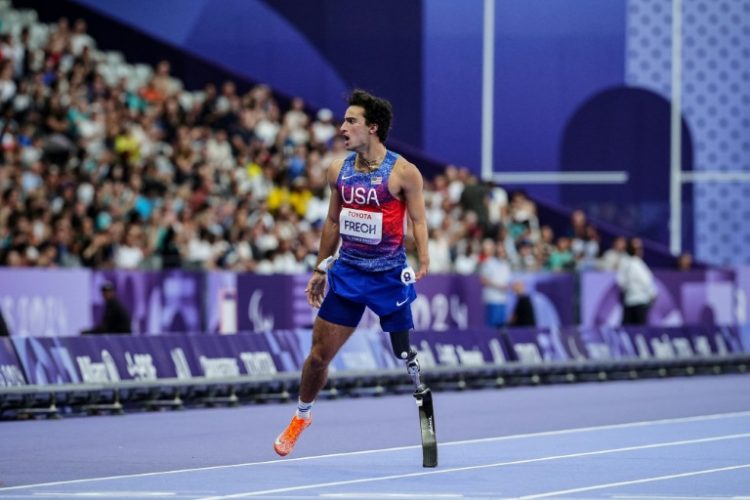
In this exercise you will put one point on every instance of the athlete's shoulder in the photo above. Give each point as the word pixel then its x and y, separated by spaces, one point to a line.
pixel 406 169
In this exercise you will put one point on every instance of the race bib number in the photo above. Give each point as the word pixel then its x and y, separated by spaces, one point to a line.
pixel 407 275
pixel 361 226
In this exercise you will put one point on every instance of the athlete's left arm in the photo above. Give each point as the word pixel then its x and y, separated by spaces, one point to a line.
pixel 412 187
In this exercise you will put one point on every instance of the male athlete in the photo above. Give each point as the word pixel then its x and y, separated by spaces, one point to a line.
pixel 372 190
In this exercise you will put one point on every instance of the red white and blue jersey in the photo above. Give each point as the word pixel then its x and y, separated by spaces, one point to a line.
pixel 372 221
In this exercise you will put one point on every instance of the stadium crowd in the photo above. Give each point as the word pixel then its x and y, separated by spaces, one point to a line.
pixel 106 164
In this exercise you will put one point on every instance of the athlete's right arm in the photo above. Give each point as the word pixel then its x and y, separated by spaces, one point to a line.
pixel 329 239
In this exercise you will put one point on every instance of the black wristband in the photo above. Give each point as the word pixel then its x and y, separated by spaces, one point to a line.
pixel 319 271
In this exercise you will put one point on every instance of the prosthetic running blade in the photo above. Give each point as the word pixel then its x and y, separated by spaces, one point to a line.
pixel 423 396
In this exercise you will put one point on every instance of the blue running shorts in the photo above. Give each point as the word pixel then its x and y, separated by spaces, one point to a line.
pixel 384 292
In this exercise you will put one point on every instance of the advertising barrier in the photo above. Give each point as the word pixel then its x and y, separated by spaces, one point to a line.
pixel 114 358
pixel 11 373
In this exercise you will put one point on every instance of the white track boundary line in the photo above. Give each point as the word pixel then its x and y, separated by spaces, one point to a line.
pixel 478 467
pixel 643 423
pixel 634 481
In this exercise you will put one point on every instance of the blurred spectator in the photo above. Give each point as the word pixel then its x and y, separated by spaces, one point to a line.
pixel 561 258
pixel 610 261
pixel 522 223
pixel 546 244
pixel 98 252
pixel 80 39
pixel 467 260
pixel 294 131
pixel 497 205
pixel 509 243
pixel 219 151
pixel 587 250
pixel 637 285
pixel 474 198
pixel 438 247
pixel 129 254
pixel 527 261
pixel 7 83
pixel 323 129
pixel 115 318
pixel 495 276
pixel 523 310
pixel 168 249
pixel 456 179
pixel 163 83
pixel 578 223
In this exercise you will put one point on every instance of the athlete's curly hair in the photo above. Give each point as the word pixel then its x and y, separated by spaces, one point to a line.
pixel 377 111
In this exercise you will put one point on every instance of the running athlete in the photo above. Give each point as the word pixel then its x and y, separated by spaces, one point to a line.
pixel 372 191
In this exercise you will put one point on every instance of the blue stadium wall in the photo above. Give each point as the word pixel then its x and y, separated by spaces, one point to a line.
pixel 580 85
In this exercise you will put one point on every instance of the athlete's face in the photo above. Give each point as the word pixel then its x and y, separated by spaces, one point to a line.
pixel 355 131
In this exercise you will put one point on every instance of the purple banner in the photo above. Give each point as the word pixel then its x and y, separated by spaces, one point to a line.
pixel 448 302
pixel 267 303
pixel 454 302
pixel 11 372
pixel 45 302
pixel 552 297
pixel 685 298
pixel 158 302
pixel 273 302
pixel 220 302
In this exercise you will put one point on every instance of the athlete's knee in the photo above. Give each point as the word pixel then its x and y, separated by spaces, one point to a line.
pixel 318 358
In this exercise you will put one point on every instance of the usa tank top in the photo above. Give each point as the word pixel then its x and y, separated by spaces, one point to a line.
pixel 372 221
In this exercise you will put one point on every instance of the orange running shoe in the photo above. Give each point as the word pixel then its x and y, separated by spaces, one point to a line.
pixel 284 444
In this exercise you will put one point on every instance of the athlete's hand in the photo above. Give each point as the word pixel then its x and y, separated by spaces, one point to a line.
pixel 424 268
pixel 315 289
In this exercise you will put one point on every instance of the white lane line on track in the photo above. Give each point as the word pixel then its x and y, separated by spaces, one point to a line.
pixel 643 423
pixel 110 494
pixel 634 481
pixel 478 467
pixel 398 496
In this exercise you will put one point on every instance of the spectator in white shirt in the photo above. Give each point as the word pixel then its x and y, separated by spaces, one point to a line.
pixel 610 261
pixel 636 282
pixel 130 254
pixel 439 249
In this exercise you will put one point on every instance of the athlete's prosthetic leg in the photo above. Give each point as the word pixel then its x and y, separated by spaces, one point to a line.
pixel 422 395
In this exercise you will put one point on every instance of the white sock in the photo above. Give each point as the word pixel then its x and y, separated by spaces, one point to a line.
pixel 303 409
